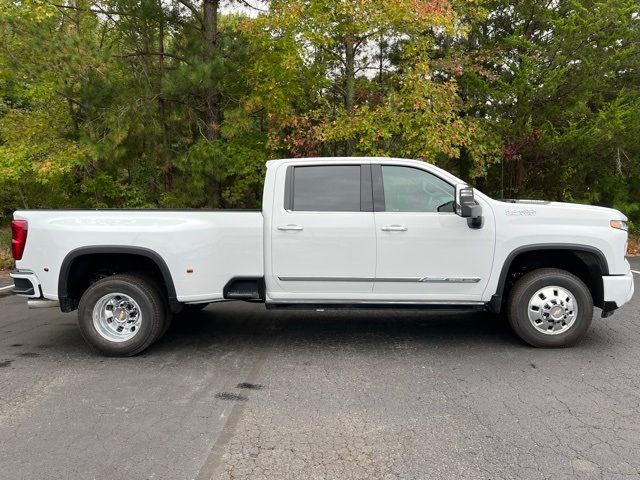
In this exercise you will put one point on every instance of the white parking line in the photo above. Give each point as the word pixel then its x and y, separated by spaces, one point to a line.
pixel 636 272
pixel 6 288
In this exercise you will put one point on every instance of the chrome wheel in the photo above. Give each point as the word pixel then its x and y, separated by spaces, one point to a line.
pixel 552 310
pixel 117 317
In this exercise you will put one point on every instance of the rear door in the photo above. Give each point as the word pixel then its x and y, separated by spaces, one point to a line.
pixel 425 252
pixel 323 241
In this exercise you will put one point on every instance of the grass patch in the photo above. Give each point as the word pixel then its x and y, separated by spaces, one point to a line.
pixel 6 260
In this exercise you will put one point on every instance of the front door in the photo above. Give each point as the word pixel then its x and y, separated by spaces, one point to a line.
pixel 425 252
pixel 323 236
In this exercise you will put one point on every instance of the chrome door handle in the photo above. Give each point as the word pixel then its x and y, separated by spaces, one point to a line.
pixel 394 228
pixel 295 228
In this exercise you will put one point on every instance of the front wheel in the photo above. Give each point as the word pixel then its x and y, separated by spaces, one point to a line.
pixel 122 315
pixel 550 307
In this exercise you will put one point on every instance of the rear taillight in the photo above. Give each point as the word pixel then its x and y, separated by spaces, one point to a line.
pixel 18 238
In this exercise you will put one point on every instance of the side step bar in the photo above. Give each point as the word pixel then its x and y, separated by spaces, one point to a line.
pixel 245 288
pixel 452 307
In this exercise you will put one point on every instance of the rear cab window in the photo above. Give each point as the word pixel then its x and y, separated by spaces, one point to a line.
pixel 328 188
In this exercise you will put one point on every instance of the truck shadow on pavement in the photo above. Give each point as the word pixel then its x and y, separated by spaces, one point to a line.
pixel 361 329
pixel 242 325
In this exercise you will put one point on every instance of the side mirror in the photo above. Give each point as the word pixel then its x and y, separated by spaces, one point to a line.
pixel 467 207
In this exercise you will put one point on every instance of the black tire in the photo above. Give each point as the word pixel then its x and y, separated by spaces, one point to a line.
pixel 168 319
pixel 152 306
pixel 525 289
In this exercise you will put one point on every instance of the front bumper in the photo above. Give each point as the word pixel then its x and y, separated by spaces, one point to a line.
pixel 618 290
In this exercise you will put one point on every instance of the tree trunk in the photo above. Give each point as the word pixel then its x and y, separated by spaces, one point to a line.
pixel 23 199
pixel 381 60
pixel 212 97
pixel 350 81
pixel 519 174
pixel 464 164
pixel 166 166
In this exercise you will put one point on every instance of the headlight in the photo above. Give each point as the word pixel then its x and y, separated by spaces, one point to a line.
pixel 619 224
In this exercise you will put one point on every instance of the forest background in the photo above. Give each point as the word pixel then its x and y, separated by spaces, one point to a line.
pixel 179 103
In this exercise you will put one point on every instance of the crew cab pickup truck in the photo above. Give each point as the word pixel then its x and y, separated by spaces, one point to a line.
pixel 332 233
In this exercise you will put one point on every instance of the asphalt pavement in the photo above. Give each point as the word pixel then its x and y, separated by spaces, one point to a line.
pixel 238 392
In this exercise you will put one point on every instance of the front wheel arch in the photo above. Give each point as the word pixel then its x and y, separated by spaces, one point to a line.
pixel 586 262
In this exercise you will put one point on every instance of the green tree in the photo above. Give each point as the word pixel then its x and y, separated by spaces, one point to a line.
pixel 180 103
pixel 559 83
pixel 371 87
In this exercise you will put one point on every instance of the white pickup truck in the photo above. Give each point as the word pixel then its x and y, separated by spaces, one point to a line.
pixel 333 233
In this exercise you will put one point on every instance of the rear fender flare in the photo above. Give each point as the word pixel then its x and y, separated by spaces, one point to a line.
pixel 67 263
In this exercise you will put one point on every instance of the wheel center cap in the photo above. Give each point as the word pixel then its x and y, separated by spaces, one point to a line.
pixel 120 315
pixel 557 312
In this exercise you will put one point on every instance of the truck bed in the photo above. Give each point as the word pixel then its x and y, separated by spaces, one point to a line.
pixel 203 249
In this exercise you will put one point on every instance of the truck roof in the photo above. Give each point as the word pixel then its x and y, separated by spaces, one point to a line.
pixel 275 162
pixel 333 160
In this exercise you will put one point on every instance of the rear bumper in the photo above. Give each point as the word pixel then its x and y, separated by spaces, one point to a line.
pixel 26 284
pixel 618 290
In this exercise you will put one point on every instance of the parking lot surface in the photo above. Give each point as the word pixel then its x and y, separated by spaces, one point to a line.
pixel 238 392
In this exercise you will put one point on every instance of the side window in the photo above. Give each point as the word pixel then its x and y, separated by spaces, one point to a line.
pixel 326 188
pixel 409 189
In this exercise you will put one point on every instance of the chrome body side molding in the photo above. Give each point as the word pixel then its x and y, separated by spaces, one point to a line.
pixel 384 279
